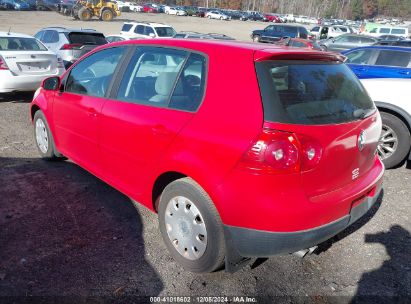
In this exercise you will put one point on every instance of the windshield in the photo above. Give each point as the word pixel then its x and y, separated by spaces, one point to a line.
pixel 20 44
pixel 165 31
pixel 311 93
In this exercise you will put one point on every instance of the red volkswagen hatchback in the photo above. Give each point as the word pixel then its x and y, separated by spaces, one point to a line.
pixel 244 150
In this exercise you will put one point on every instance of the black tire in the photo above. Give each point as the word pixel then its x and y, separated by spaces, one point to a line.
pixel 84 14
pixel 402 133
pixel 213 256
pixel 51 153
pixel 256 38
pixel 323 47
pixel 107 15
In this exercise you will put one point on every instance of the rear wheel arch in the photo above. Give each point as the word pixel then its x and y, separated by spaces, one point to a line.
pixel 396 111
pixel 160 183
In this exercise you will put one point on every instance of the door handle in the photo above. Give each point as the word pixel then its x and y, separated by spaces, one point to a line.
pixel 160 130
pixel 360 69
pixel 92 112
pixel 404 72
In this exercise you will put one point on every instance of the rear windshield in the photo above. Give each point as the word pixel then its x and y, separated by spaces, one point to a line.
pixel 87 38
pixel 311 93
pixel 20 44
pixel 165 31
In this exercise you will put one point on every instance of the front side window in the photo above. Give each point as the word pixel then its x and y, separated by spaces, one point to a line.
pixel 359 56
pixel 394 58
pixel 148 30
pixel 151 76
pixel 93 74
pixel 311 93
pixel 384 30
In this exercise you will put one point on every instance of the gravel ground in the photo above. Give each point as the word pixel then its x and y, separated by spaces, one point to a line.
pixel 63 232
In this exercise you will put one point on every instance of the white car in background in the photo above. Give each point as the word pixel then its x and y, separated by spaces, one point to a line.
pixel 25 62
pixel 176 11
pixel 146 30
pixel 217 15
pixel 134 7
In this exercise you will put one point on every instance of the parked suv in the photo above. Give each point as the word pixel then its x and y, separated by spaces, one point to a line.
pixel 146 30
pixel 385 71
pixel 269 156
pixel 277 32
pixel 70 44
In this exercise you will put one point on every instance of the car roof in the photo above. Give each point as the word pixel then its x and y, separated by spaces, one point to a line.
pixel 10 34
pixel 380 47
pixel 148 23
pixel 260 51
pixel 69 30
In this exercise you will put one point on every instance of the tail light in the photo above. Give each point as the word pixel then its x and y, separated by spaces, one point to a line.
pixel 282 152
pixel 3 65
pixel 70 46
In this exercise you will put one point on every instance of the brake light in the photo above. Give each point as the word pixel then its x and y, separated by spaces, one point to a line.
pixel 282 152
pixel 3 65
pixel 70 46
pixel 311 153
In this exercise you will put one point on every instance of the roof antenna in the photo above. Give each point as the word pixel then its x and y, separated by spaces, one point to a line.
pixel 8 33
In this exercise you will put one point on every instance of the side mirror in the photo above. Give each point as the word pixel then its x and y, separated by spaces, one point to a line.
pixel 51 83
pixel 152 35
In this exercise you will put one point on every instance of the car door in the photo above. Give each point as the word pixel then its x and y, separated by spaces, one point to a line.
pixel 391 64
pixel 77 107
pixel 149 108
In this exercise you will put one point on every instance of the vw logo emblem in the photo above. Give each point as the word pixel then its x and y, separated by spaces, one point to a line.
pixel 361 141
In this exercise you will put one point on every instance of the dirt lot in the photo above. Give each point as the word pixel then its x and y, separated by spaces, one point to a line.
pixel 31 22
pixel 63 232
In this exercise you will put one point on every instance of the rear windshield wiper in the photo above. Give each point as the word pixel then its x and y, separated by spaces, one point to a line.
pixel 362 113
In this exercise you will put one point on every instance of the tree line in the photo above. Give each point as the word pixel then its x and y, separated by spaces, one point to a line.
pixel 345 9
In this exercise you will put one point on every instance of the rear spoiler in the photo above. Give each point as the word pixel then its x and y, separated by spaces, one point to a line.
pixel 286 54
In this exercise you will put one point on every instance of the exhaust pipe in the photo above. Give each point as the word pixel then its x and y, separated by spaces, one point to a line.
pixel 304 252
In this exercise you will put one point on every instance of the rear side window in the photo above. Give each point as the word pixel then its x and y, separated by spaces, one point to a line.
pixel 151 76
pixel 165 31
pixel 87 38
pixel 398 31
pixel 393 58
pixel 311 93
pixel 189 89
pixel 139 29
pixel 126 27
pixel 384 30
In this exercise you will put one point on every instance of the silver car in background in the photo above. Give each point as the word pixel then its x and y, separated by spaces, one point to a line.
pixel 346 42
pixel 25 62
pixel 70 44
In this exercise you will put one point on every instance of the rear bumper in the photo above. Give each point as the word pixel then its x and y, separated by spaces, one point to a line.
pixel 256 243
pixel 10 83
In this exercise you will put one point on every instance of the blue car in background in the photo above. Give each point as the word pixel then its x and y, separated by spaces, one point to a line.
pixel 385 72
pixel 17 5
pixel 379 61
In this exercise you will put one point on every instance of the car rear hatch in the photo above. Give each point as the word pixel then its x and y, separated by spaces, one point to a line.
pixel 81 43
pixel 31 63
pixel 316 98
